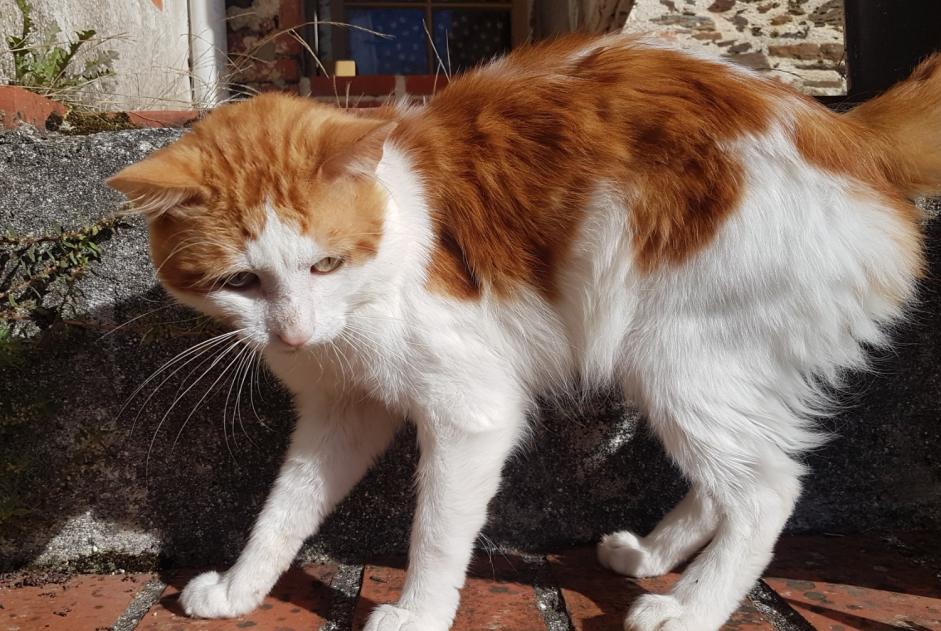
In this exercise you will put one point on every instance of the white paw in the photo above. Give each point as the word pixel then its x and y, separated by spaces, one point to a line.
pixel 392 618
pixel 623 552
pixel 210 596
pixel 653 612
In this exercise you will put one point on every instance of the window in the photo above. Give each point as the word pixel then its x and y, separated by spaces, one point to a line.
pixel 419 32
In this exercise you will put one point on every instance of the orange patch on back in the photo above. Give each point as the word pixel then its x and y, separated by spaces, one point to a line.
pixel 511 155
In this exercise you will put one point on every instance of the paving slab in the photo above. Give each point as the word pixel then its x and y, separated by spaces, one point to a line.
pixel 82 603
pixel 856 583
pixel 299 602
pixel 498 596
pixel 598 600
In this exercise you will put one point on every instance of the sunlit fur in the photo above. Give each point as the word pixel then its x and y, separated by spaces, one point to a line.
pixel 586 212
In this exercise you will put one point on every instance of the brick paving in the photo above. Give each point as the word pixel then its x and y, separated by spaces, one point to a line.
pixel 82 602
pixel 598 600
pixel 819 583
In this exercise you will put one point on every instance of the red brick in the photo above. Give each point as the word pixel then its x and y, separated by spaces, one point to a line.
pixel 291 13
pixel 863 583
pixel 258 88
pixel 291 16
pixel 162 118
pixel 359 102
pixel 425 84
pixel 496 596
pixel 252 45
pixel 83 602
pixel 245 45
pixel 20 105
pixel 596 599
pixel 277 71
pixel 365 85
pixel 300 600
pixel 288 46
pixel 241 41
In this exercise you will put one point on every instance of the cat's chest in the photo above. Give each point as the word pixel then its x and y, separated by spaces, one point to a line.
pixel 387 369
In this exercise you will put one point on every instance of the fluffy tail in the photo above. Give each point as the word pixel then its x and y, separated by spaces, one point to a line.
pixel 908 116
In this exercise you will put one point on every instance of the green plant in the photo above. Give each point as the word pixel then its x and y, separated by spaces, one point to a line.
pixel 37 274
pixel 41 65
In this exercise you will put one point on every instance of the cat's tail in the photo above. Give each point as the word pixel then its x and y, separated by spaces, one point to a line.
pixel 908 117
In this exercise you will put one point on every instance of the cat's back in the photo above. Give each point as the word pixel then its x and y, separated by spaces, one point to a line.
pixel 606 86
pixel 693 154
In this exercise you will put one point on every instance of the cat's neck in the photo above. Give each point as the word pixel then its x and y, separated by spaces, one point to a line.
pixel 408 234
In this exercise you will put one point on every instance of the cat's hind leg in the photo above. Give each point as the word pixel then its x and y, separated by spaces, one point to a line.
pixel 678 536
pixel 733 457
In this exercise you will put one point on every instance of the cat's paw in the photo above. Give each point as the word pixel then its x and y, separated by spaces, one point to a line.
pixel 209 596
pixel 623 552
pixel 392 618
pixel 655 612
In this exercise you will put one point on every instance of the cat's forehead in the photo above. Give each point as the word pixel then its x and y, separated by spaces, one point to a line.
pixel 282 244
pixel 281 234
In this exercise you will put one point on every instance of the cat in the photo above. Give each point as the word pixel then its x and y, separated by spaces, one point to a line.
pixel 591 210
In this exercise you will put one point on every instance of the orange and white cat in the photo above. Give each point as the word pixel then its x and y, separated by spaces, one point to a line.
pixel 591 210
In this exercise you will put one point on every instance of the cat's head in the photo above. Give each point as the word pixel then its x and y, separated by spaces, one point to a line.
pixel 267 216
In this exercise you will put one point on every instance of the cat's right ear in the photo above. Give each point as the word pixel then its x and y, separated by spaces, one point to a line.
pixel 164 182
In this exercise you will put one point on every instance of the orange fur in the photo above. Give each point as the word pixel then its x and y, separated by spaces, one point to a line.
pixel 304 159
pixel 907 118
pixel 890 144
pixel 511 155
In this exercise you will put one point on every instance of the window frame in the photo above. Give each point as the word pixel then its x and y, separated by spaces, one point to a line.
pixel 518 10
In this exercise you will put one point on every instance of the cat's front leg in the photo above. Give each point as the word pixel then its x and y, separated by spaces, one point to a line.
pixel 459 472
pixel 333 445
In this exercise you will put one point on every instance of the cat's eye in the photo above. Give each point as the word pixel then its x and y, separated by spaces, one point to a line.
pixel 241 280
pixel 326 265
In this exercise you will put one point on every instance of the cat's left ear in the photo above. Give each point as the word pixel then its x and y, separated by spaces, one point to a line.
pixel 357 148
pixel 164 182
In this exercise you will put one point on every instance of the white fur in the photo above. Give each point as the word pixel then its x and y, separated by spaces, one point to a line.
pixel 725 353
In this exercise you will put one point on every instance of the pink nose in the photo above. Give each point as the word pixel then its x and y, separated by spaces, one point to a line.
pixel 294 339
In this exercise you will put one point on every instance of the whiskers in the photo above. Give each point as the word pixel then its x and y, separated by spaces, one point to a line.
pixel 226 362
pixel 371 352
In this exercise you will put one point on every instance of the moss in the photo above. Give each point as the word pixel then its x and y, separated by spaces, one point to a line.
pixel 38 274
pixel 12 349
pixel 96 563
pixel 79 122
pixel 110 562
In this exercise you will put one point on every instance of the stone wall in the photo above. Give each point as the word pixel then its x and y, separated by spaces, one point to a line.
pixel 263 53
pixel 799 42
pixel 149 36
pixel 88 482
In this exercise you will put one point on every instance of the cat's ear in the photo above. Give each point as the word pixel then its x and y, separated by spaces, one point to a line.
pixel 163 182
pixel 356 148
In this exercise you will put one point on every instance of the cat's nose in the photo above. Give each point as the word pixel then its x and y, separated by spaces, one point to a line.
pixel 294 339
